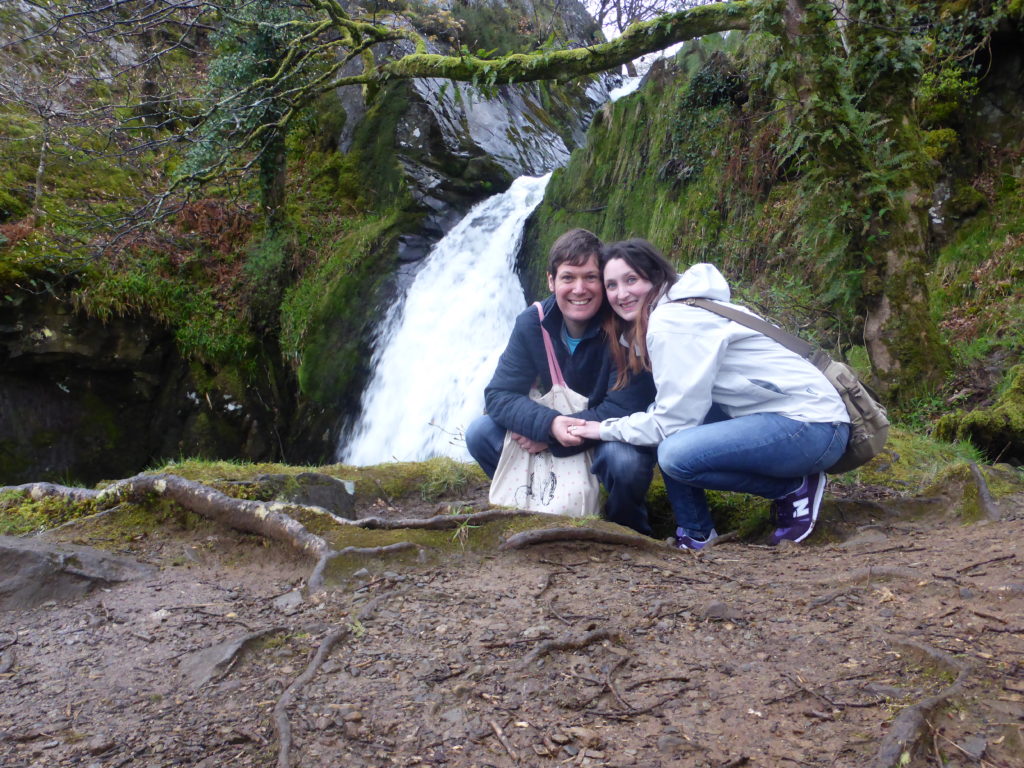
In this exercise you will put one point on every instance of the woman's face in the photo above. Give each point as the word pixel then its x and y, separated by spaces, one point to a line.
pixel 625 288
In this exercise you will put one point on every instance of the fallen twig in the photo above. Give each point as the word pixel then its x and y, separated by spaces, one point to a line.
pixel 991 616
pixel 980 563
pixel 633 712
pixel 504 742
pixel 661 679
pixel 830 596
pixel 882 571
pixel 281 724
pixel 610 683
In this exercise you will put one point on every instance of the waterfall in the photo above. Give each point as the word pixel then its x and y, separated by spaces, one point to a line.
pixel 437 348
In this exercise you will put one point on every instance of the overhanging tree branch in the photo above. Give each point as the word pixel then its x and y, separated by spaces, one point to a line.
pixel 640 39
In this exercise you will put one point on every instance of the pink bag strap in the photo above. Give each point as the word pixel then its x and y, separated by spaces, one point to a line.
pixel 553 367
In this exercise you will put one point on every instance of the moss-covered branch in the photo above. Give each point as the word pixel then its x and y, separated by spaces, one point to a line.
pixel 643 38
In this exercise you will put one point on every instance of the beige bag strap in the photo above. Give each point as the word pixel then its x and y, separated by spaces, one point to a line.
pixel 788 340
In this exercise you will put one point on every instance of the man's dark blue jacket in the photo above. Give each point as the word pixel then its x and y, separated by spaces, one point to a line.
pixel 588 371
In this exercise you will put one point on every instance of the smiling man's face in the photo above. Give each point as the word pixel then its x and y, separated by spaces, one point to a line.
pixel 578 293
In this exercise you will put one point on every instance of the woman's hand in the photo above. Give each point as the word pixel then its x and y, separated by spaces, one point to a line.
pixel 588 430
pixel 563 430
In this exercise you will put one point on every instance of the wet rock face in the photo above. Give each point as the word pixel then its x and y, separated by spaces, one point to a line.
pixel 458 144
pixel 83 400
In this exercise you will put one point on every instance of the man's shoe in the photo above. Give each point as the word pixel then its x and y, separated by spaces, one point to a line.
pixel 685 541
pixel 796 513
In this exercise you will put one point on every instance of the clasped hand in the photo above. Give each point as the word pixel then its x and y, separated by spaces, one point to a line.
pixel 570 431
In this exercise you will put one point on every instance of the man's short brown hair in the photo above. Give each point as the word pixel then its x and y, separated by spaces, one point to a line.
pixel 574 247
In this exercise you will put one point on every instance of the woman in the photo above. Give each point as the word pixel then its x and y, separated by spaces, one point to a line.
pixel 783 424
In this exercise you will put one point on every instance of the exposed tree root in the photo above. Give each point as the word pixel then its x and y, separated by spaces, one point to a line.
pixel 911 725
pixel 367 611
pixel 441 522
pixel 316 578
pixel 267 519
pixel 281 724
pixel 985 501
pixel 569 644
pixel 727 536
pixel 548 535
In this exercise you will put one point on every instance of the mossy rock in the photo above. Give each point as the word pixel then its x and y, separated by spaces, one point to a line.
pixel 966 201
pixel 998 430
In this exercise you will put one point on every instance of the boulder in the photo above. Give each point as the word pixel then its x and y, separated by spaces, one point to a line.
pixel 312 489
pixel 34 571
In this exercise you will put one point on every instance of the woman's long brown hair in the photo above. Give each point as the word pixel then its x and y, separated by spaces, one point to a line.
pixel 644 259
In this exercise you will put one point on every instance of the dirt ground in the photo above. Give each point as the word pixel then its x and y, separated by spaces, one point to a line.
pixel 563 654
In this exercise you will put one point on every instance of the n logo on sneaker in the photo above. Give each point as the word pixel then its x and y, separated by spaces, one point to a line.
pixel 800 507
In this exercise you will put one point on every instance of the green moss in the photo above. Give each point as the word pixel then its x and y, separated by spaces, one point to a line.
pixel 966 201
pixel 998 430
pixel 447 478
pixel 20 515
pixel 974 284
pixel 328 313
pixel 910 462
pixel 206 326
pixel 940 143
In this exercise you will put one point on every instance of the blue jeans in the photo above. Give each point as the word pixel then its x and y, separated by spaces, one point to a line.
pixel 624 470
pixel 765 454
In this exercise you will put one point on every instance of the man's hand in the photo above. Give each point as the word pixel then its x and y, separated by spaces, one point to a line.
pixel 563 429
pixel 528 445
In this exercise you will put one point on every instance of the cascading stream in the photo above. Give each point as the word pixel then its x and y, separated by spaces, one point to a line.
pixel 437 349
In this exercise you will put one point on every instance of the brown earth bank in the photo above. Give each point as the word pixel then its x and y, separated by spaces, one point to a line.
pixel 903 645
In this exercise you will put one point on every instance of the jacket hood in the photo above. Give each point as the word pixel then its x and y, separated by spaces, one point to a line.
pixel 699 281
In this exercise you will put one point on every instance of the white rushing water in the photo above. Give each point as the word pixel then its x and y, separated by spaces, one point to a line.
pixel 437 349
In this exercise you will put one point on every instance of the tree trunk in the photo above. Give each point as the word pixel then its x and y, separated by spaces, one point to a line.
pixel 273 175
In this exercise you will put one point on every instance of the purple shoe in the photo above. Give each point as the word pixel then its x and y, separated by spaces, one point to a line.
pixel 796 513
pixel 686 541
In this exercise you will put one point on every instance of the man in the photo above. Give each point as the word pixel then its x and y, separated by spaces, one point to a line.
pixel 573 319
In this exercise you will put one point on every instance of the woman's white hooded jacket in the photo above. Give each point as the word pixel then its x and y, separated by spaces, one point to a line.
pixel 699 358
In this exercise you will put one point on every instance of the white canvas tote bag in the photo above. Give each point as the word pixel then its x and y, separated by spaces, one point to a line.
pixel 542 482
